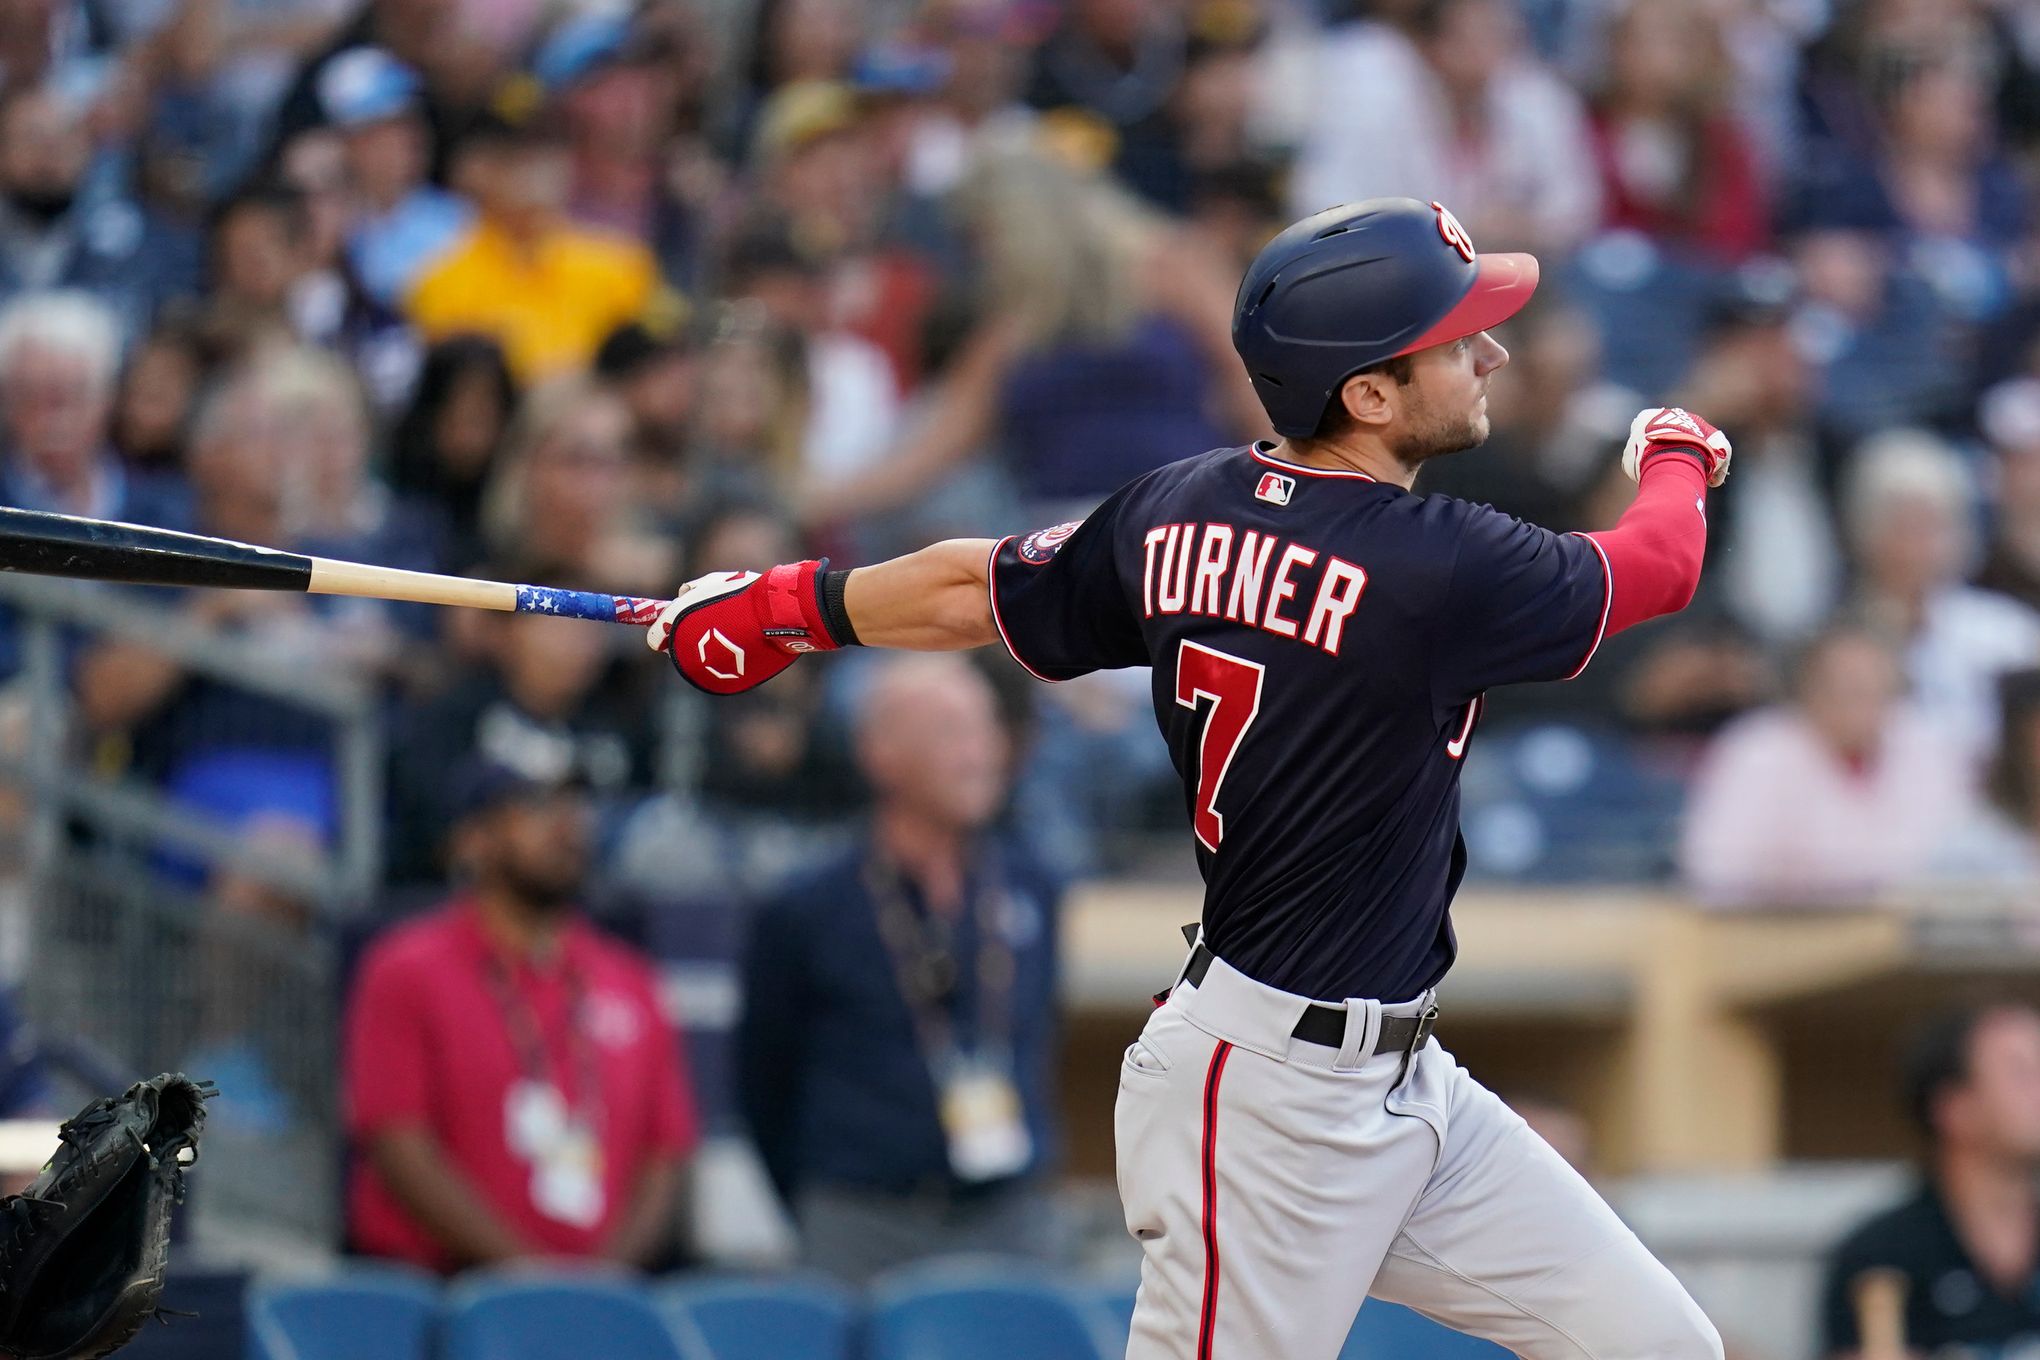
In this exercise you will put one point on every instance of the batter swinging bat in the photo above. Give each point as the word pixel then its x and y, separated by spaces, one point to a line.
pixel 44 544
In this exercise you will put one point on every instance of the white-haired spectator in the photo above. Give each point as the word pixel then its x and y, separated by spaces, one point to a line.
pixel 1839 794
pixel 839 997
pixel 59 362
pixel 324 437
pixel 263 454
pixel 1910 516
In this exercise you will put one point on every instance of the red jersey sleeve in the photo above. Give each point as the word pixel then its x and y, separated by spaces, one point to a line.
pixel 1655 550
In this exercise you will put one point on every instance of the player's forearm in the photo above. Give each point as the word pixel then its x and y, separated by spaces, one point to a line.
pixel 934 600
pixel 1655 550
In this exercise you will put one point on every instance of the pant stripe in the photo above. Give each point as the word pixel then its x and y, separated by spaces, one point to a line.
pixel 1207 1323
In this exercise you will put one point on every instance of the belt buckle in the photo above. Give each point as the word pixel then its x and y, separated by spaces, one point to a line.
pixel 1426 1023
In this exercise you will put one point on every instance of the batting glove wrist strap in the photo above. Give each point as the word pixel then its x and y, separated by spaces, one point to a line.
pixel 731 631
pixel 835 617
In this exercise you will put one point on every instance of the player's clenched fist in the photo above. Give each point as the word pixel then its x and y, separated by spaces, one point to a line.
pixel 1667 429
pixel 730 631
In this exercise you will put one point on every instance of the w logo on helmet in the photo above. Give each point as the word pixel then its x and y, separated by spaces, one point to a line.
pixel 1454 234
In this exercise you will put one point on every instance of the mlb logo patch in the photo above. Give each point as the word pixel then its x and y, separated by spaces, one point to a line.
pixel 1274 488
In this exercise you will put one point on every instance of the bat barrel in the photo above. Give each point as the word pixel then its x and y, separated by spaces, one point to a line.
pixel 103 550
pixel 46 544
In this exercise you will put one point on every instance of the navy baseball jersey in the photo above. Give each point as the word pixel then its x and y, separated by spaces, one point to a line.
pixel 1320 644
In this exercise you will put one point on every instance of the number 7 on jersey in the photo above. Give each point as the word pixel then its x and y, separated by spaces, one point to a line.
pixel 1232 685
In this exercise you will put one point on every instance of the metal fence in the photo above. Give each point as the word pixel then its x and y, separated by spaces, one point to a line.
pixel 155 937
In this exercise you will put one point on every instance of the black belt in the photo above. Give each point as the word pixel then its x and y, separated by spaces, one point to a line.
pixel 1327 1024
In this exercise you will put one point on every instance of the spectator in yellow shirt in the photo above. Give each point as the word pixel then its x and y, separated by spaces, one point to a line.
pixel 544 289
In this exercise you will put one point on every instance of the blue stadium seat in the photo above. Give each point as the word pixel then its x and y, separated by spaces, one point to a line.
pixel 1389 1331
pixel 786 1317
pixel 365 1313
pixel 519 1315
pixel 948 1310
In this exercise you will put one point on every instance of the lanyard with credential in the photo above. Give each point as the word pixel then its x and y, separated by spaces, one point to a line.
pixel 922 946
pixel 522 1026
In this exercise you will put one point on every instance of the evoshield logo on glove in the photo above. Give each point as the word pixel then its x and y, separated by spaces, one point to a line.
pixel 712 627
pixel 733 656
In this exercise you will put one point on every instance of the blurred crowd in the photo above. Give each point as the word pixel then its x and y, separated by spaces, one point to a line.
pixel 604 294
pixel 608 293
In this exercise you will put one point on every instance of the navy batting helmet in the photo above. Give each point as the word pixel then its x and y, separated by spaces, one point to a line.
pixel 1346 288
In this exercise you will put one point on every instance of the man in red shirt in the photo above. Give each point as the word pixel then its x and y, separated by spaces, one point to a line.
pixel 512 1087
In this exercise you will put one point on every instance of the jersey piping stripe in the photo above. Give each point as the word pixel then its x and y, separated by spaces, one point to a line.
pixel 1303 470
pixel 1607 603
pixel 1207 1318
pixel 992 590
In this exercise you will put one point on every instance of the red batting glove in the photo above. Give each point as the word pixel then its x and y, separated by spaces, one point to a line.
pixel 1668 429
pixel 731 631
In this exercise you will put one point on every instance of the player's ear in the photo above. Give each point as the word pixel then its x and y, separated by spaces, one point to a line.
pixel 1369 399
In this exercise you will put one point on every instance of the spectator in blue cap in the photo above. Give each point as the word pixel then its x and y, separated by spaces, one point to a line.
pixel 581 45
pixel 445 43
pixel 401 220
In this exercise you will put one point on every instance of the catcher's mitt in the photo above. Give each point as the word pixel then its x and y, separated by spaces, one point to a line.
pixel 82 1250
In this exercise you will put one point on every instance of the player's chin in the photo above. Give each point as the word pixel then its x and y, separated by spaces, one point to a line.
pixel 1471 435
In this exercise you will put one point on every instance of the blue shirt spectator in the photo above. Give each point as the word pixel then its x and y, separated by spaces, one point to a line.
pixel 896 1050
pixel 389 251
pixel 403 221
pixel 59 357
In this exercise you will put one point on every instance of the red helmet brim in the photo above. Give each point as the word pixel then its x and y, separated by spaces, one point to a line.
pixel 1501 285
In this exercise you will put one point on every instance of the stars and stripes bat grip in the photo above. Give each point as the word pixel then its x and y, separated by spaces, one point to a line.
pixel 43 544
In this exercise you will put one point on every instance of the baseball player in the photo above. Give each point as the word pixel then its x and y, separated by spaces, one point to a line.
pixel 1291 1136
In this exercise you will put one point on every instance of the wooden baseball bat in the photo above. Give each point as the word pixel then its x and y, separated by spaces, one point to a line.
pixel 45 544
